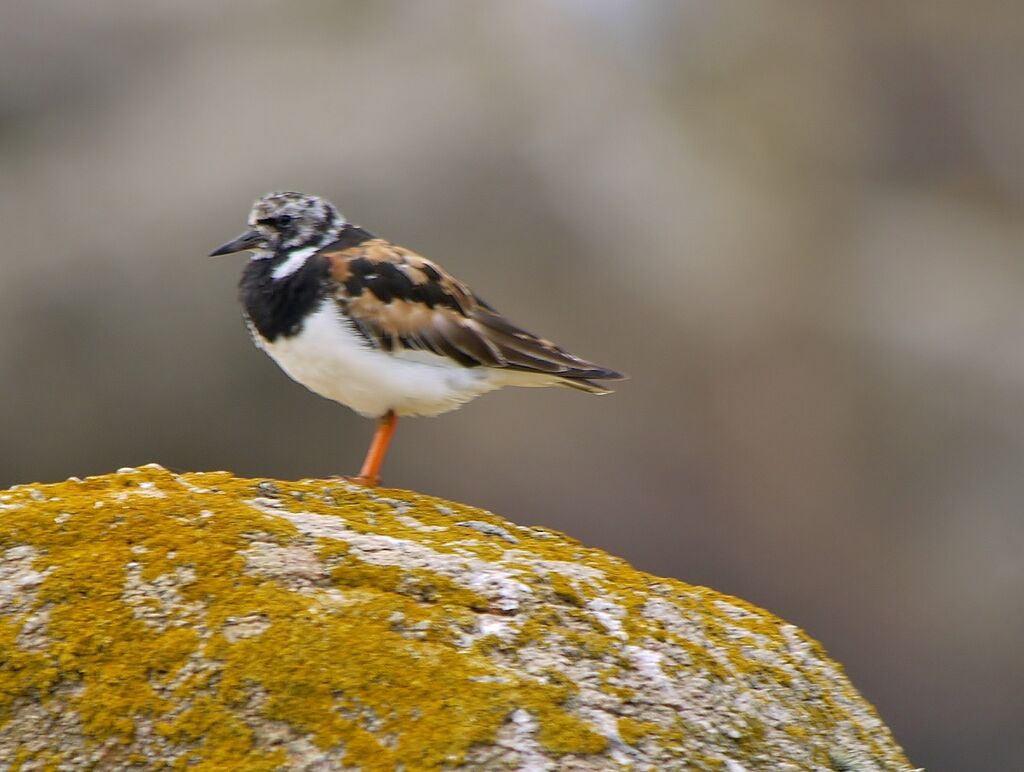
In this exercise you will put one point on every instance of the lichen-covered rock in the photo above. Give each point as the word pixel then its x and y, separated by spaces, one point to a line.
pixel 216 623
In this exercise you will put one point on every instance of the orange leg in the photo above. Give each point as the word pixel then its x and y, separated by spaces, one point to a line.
pixel 370 473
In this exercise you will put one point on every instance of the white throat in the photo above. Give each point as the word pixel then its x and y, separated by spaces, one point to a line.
pixel 295 261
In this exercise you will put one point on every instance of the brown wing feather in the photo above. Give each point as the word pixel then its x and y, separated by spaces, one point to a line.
pixel 400 300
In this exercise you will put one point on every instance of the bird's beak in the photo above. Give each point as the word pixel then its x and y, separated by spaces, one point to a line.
pixel 248 240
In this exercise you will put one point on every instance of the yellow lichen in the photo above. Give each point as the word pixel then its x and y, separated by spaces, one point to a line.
pixel 632 731
pixel 435 701
pixel 376 671
pixel 23 674
pixel 564 590
pixel 798 732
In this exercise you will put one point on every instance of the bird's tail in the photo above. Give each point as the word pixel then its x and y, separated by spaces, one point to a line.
pixel 589 386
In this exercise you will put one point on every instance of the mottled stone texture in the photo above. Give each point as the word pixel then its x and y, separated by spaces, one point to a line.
pixel 211 622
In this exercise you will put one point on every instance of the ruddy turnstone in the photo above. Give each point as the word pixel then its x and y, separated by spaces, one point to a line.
pixel 377 327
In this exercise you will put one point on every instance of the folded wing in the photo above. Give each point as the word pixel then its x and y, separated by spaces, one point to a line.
pixel 400 300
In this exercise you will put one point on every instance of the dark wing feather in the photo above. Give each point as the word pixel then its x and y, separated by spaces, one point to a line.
pixel 400 300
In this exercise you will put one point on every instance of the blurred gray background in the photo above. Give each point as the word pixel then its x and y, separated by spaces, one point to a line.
pixel 796 225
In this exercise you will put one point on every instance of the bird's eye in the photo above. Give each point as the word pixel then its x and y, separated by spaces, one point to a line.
pixel 280 222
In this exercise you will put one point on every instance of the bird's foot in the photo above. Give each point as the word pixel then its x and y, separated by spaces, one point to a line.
pixel 359 479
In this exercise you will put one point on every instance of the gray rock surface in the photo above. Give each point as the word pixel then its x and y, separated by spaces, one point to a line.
pixel 206 620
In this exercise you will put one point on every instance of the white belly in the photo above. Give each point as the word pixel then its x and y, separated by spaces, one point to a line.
pixel 331 359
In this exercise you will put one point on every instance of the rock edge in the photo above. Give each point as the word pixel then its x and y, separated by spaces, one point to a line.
pixel 213 622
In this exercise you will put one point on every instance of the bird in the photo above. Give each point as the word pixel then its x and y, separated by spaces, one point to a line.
pixel 377 327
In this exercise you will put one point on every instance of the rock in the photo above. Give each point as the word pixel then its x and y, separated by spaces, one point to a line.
pixel 210 622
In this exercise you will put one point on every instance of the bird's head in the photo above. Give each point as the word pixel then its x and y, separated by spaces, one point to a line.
pixel 284 222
